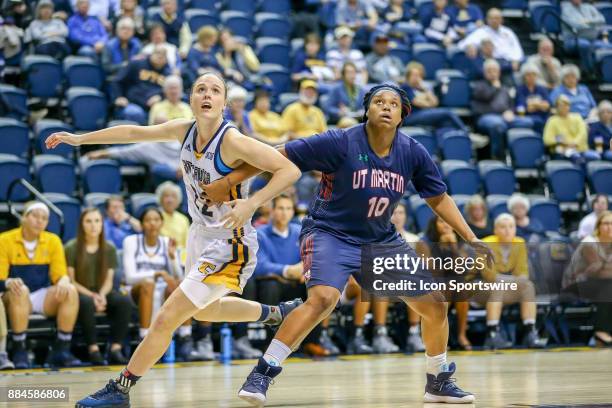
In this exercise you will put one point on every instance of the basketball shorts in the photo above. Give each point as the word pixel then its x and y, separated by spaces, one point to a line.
pixel 218 258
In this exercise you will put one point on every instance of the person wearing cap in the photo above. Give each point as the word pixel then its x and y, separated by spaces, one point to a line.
pixel 302 118
pixel 34 279
pixel 600 132
pixel 358 15
pixel 345 52
pixel 86 32
pixel 382 66
pixel 531 98
pixel 268 126
pixel 346 96
pixel 47 34
pixel 235 110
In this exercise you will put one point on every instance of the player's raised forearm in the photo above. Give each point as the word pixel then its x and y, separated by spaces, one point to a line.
pixel 245 171
pixel 281 180
pixel 445 207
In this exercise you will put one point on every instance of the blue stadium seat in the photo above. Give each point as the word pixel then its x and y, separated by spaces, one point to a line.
pixel 282 7
pixel 461 200
pixel 88 108
pixel 44 128
pixel 43 76
pixel 456 145
pixel 14 137
pixel 102 176
pixel 546 211
pixel 605 8
pixel 566 181
pixel 402 52
pixel 327 14
pixel 198 18
pixel 141 201
pixel 287 98
pixel 273 51
pixel 273 25
pixel 459 61
pixel 152 10
pixel 245 6
pixel 83 71
pixel 55 174
pixel 497 204
pixel 240 24
pixel 17 101
pixel 604 60
pixel 514 4
pixel 600 176
pixel 208 5
pixel 432 56
pixel 545 17
pixel 71 210
pixel 461 177
pixel 13 168
pixel 97 200
pixel 420 211
pixel 455 89
pixel 526 148
pixel 424 8
pixel 423 136
pixel 497 178
pixel 279 75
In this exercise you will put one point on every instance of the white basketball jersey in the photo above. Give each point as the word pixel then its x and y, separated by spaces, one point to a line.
pixel 207 166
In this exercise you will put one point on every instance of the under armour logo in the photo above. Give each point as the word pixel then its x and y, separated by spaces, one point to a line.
pixel 362 157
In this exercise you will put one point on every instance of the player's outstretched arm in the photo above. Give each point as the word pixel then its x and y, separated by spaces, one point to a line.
pixel 166 132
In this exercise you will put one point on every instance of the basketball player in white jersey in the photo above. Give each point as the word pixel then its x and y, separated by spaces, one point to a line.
pixel 222 244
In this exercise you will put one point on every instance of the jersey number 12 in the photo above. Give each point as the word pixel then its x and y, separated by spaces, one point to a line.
pixel 377 206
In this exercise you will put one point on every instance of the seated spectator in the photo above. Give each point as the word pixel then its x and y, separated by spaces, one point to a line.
pixel 510 265
pixel 398 219
pixel 101 9
pixel 175 225
pixel 580 96
pixel 588 22
pixel 492 103
pixel 11 44
pixel 531 98
pixel 359 16
pixel 505 41
pixel 309 62
pixel 345 98
pixel 587 224
pixel 86 32
pixel 565 134
pixel 47 34
pixel 438 25
pixel 138 86
pixel 118 223
pixel 235 110
pixel 477 57
pixel 303 118
pixel 530 229
pixel 396 11
pixel 600 132
pixel 346 53
pixel 549 67
pixel 237 60
pixel 122 48
pixel 477 216
pixel 465 17
pixel 201 57
pixel 175 27
pixel 267 126
pixel 425 111
pixel 92 262
pixel 18 12
pixel 157 38
pixel 172 106
pixel 33 271
pixel 382 66
pixel 131 9
pixel 5 362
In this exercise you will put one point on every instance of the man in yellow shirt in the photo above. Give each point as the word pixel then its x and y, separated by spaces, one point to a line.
pixel 34 277
pixel 302 118
pixel 172 107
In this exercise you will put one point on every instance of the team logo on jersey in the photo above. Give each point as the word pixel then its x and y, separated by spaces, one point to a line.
pixel 209 155
pixel 362 157
pixel 188 147
pixel 206 268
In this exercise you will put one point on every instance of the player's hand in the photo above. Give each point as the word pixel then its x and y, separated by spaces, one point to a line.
pixel 242 211
pixel 15 285
pixel 62 137
pixel 482 250
pixel 216 192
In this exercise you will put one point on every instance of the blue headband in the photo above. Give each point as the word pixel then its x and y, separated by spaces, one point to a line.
pixel 406 108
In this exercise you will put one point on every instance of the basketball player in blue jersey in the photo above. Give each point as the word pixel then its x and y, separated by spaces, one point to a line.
pixel 222 244
pixel 366 170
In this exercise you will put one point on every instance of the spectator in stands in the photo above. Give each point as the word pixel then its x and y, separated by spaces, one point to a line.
pixel 438 25
pixel 398 219
pixel 600 132
pixel 511 265
pixel 122 48
pixel 131 9
pixel 118 223
pixel 580 96
pixel 344 53
pixel 345 98
pixel 506 43
pixel 359 16
pixel 92 262
pixel 477 57
pixel 235 110
pixel 549 67
pixel 157 38
pixel 477 216
pixel 309 62
pixel 302 118
pixel 48 34
pixel 425 110
pixel 86 32
pixel 172 106
pixel 382 66
pixel 101 9
pixel 530 229
pixel 5 362
pixel 175 27
pixel 587 224
pixel 531 98
pixel 33 271
pixel 565 134
pixel 237 60
pixel 138 86
pixel 201 56
pixel 584 19
pixel 175 225
pixel 396 11
pixel 492 103
pixel 465 17
pixel 18 12
pixel 267 126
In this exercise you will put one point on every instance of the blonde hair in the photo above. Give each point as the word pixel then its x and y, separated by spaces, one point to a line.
pixel 207 32
pixel 503 217
pixel 475 201
pixel 600 219
pixel 415 65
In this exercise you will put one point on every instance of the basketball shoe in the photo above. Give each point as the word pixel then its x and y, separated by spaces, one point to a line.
pixel 442 388
pixel 256 385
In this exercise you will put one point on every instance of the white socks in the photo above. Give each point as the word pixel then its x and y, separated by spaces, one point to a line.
pixel 415 329
pixel 436 364
pixel 184 331
pixel 276 353
pixel 143 332
pixel 529 321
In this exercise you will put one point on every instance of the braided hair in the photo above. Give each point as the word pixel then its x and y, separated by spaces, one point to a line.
pixel 406 107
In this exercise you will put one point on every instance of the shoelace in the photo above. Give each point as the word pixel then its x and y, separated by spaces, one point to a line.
pixel 450 382
pixel 108 389
pixel 261 379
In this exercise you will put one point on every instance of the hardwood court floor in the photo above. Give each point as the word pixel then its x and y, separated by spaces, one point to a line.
pixel 518 378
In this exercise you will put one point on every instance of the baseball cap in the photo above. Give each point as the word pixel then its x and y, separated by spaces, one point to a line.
pixel 343 31
pixel 308 83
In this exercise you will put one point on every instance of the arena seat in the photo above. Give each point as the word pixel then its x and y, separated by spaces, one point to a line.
pixel 282 7
pixel 71 209
pixel 526 149
pixel 599 174
pixel 456 145
pixel 101 176
pixel 432 56
pixel 461 177
pixel 88 108
pixel 497 178
pixel 497 204
pixel 273 25
pixel 197 19
pixel 13 168
pixel 14 137
pixel 43 76
pixel 423 136
pixel 546 211
pixel 402 52
pixel 279 75
pixel 240 23
pixel 141 201
pixel 273 51
pixel 247 7
pixel 455 90
pixel 44 128
pixel 17 101
pixel 420 211
pixel 97 200
pixel 566 181
pixel 83 71
pixel 55 174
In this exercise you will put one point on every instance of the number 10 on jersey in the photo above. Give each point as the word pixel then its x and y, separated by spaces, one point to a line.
pixel 377 206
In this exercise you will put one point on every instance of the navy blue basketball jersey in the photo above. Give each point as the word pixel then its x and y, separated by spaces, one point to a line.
pixel 359 190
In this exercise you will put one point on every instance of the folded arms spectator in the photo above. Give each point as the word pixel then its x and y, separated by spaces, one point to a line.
pixel 47 34
pixel 86 32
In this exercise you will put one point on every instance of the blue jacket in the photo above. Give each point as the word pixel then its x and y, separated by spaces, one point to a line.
pixel 598 129
pixel 86 30
pixel 197 59
pixel 338 95
pixel 116 233
pixel 115 55
pixel 276 252
pixel 523 93
pixel 582 102
pixel 474 13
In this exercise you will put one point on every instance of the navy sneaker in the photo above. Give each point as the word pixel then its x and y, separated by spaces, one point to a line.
pixel 21 359
pixel 443 389
pixel 256 385
pixel 110 396
pixel 285 308
pixel 60 357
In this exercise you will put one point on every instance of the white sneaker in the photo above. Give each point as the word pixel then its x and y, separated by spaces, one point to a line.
pixel 205 349
pixel 414 343
pixel 245 349
pixel 382 344
pixel 5 363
